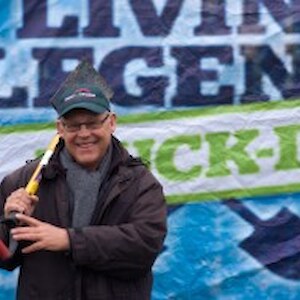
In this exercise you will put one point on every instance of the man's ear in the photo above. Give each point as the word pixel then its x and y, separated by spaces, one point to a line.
pixel 59 127
pixel 113 121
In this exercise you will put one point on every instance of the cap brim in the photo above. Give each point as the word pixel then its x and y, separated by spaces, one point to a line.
pixel 96 108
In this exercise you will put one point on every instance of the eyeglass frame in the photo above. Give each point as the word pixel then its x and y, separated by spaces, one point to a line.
pixel 93 125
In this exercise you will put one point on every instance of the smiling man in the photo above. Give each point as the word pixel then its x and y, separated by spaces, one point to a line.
pixel 98 221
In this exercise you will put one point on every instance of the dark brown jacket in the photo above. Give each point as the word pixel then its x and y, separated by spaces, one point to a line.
pixel 111 258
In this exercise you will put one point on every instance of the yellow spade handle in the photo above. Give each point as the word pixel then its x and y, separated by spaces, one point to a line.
pixel 33 184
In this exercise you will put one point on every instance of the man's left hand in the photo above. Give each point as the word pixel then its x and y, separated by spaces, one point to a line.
pixel 43 236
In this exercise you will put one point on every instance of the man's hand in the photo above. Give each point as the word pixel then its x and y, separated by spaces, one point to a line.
pixel 20 201
pixel 43 235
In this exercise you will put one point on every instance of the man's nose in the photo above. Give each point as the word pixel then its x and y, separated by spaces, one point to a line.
pixel 84 130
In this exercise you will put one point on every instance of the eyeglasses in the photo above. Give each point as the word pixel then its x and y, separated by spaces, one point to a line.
pixel 93 125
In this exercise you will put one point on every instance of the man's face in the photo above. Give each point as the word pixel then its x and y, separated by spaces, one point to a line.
pixel 87 135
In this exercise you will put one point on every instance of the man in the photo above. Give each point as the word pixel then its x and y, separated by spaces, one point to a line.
pixel 98 221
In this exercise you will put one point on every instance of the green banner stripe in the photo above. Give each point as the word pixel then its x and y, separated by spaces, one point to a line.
pixel 208 111
pixel 241 193
pixel 170 115
pixel 27 127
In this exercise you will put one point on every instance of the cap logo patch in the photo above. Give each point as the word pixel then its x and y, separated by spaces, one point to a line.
pixel 82 92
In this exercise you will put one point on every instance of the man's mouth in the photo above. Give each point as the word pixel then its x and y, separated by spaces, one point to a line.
pixel 85 145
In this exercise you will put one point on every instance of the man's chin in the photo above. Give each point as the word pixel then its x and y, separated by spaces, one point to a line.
pixel 87 163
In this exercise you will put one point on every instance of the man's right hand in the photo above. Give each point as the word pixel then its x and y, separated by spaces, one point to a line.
pixel 20 201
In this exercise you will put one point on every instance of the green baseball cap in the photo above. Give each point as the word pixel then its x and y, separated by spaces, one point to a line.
pixel 84 88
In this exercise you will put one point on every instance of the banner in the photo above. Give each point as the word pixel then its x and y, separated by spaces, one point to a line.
pixel 206 92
